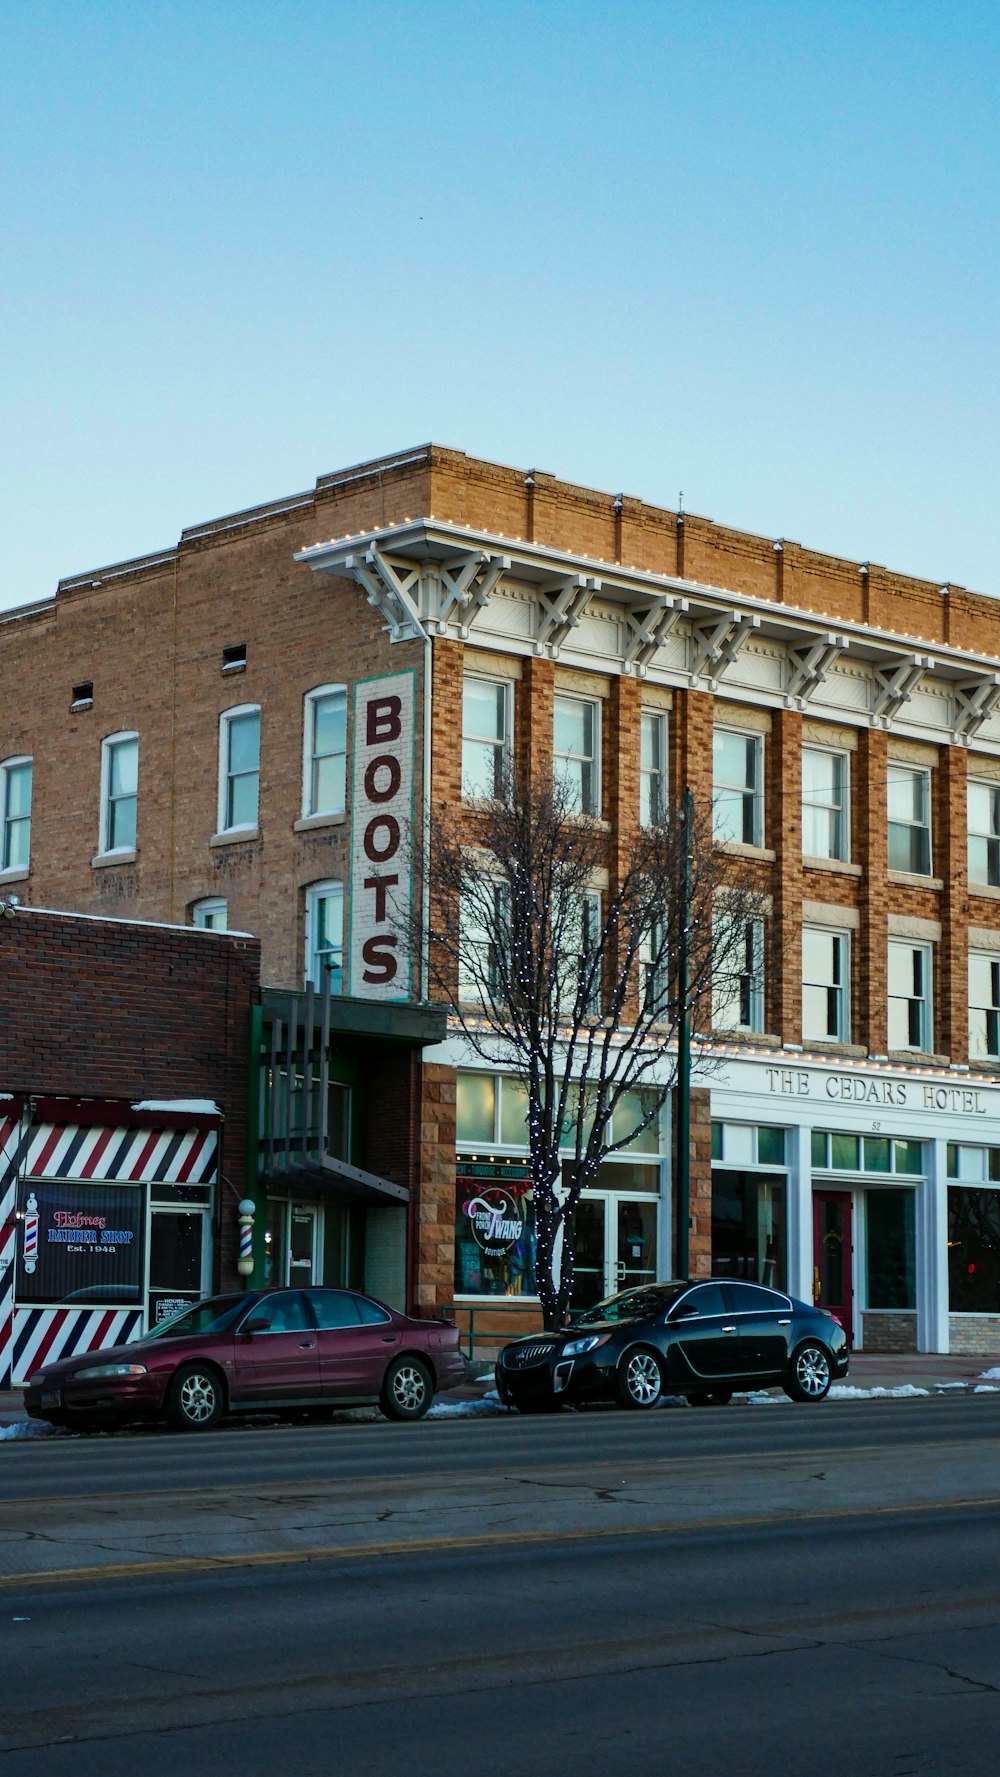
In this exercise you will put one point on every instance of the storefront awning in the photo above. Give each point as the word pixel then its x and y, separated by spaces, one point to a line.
pixel 329 1177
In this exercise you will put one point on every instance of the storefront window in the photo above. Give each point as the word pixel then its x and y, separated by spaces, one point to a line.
pixel 973 1251
pixel 632 1107
pixel 890 1249
pixel 869 1153
pixel 475 1101
pixel 770 1146
pixel 514 1113
pixel 878 1154
pixel 748 1227
pixel 844 1152
pixel 973 1163
pixel 494 1230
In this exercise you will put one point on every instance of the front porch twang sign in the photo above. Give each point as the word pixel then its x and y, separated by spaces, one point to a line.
pixel 380 965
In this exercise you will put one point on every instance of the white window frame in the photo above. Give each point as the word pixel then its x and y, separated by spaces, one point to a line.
pixel 991 838
pixel 746 985
pixel 919 1004
pixel 475 934
pixel 591 916
pixel 924 826
pixel 842 987
pixel 840 811
pixel 226 718
pixel 331 890
pixel 312 698
pixel 505 743
pixel 754 792
pixel 205 912
pixel 593 758
pixel 109 744
pixel 656 777
pixel 989 1008
pixel 16 762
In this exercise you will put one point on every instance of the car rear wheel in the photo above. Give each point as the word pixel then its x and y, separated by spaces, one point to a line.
pixel 718 1397
pixel 640 1379
pixel 407 1391
pixel 194 1398
pixel 810 1373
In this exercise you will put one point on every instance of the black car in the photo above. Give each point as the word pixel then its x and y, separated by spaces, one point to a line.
pixel 702 1340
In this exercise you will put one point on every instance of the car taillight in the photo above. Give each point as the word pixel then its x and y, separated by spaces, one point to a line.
pixel 831 1316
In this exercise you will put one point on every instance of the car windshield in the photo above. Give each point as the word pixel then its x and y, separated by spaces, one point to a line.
pixel 213 1316
pixel 631 1304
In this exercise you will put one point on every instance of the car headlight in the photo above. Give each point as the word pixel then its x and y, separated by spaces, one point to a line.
pixel 577 1347
pixel 109 1370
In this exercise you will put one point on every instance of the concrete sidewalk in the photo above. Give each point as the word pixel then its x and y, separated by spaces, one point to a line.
pixel 927 1372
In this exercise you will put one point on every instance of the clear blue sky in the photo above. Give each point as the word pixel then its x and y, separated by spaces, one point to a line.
pixel 745 249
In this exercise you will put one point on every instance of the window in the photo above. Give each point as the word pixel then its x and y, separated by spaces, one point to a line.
pixel 582 939
pixel 652 767
pixel 486 736
pixel 119 792
pixel 973 1251
pixel 325 935
pixel 653 980
pixel 870 1153
pixel 324 777
pixel 825 978
pixel 909 799
pixel 239 768
pixel 575 737
pixel 984 833
pixel 890 1249
pixel 15 814
pixel 211 915
pixel 738 991
pixel 910 974
pixel 333 1308
pixel 737 776
pixel 481 966
pixel 824 803
pixel 984 1004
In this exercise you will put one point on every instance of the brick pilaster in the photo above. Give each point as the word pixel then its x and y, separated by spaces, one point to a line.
pixel 869 998
pixel 533 723
pixel 783 996
pixel 951 1018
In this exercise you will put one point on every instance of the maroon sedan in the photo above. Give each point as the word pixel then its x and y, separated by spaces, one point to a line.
pixel 283 1350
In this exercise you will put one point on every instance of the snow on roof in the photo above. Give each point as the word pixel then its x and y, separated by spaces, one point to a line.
pixel 201 1107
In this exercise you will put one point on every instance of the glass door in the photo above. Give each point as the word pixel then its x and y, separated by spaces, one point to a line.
pixel 590 1269
pixel 301 1245
pixel 634 1258
pixel 178 1255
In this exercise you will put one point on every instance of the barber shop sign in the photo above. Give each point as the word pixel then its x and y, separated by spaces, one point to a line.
pixel 382 811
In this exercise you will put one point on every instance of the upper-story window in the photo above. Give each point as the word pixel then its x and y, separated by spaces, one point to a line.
pixel 576 735
pixel 211 914
pixel 738 992
pixel 324 785
pixel 984 1003
pixel 737 781
pixel 984 833
pixel 239 767
pixel 119 792
pixel 652 767
pixel 909 801
pixel 824 804
pixel 486 735
pixel 825 985
pixel 910 978
pixel 15 814
pixel 325 934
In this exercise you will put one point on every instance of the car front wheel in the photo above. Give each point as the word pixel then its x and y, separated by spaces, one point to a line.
pixel 407 1391
pixel 810 1373
pixel 640 1379
pixel 194 1398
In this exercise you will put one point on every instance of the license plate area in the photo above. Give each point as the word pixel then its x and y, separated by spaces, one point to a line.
pixel 51 1397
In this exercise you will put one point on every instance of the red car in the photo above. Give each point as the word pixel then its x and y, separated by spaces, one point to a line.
pixel 283 1350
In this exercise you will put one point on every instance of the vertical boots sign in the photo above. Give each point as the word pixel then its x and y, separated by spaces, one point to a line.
pixel 381 816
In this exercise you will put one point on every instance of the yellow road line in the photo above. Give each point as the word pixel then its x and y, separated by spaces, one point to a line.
pixel 485 1540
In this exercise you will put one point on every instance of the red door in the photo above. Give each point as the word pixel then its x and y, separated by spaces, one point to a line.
pixel 833 1250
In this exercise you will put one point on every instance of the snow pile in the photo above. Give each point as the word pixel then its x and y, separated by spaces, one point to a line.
pixel 990 1375
pixel 486 1408
pixel 843 1391
pixel 986 1388
pixel 30 1428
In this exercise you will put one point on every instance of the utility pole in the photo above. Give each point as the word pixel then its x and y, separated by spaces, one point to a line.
pixel 683 1176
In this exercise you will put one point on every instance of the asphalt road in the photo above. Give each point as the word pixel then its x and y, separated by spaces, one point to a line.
pixel 759 1590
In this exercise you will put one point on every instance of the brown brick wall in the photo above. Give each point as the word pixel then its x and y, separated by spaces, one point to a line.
pixel 887 1332
pixel 975 1335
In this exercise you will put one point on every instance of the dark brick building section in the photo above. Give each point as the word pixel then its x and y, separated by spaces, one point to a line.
pixel 102 1009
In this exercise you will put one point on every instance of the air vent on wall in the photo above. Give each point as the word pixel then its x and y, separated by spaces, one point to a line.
pixel 234 659
pixel 83 695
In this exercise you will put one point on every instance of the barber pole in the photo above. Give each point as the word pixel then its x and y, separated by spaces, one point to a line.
pixel 245 1262
pixel 31 1233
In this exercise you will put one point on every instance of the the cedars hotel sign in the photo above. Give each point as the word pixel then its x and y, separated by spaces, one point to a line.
pixel 381 815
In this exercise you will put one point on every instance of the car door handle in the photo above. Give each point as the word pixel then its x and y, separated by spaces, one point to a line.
pixel 729 1329
pixel 784 1323
pixel 307 1344
pixel 388 1338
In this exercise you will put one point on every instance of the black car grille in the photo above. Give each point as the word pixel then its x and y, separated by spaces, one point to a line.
pixel 524 1357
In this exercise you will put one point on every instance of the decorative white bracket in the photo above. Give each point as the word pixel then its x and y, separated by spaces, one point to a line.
pixel 464 585
pixel 809 667
pixel 976 701
pixel 646 630
pixel 895 685
pixel 716 645
pixel 388 586
pixel 561 604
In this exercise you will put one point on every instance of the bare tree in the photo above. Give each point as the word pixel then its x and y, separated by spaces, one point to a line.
pixel 574 988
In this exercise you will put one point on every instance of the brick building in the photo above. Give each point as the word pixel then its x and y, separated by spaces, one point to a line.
pixel 186 737
pixel 123 1091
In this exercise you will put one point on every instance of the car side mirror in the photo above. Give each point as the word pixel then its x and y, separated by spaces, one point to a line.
pixel 686 1311
pixel 257 1325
